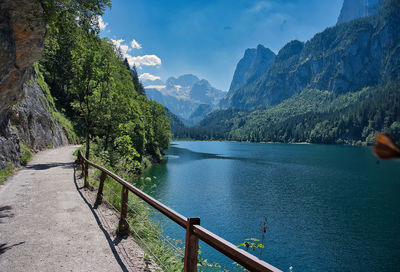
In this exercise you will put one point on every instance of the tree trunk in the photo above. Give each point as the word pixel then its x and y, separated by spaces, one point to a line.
pixel 86 183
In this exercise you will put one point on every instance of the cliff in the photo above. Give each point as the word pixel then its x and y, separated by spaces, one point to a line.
pixel 341 59
pixel 22 31
pixel 27 114
pixel 354 9
pixel 254 64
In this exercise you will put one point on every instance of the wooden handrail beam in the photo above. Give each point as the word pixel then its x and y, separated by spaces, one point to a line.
pixel 240 256
pixel 171 214
pixel 191 225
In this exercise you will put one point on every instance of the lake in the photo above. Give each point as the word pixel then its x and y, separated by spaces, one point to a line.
pixel 328 207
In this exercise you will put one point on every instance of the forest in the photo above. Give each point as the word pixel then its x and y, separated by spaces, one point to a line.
pixel 311 116
pixel 340 87
pixel 98 90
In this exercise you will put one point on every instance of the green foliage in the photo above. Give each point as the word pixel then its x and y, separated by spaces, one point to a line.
pixel 312 116
pixel 139 213
pixel 67 126
pixel 7 172
pixel 251 243
pixel 128 156
pixel 58 116
pixel 135 78
pixel 84 10
pixel 344 58
pixel 43 85
pixel 97 89
pixel 26 154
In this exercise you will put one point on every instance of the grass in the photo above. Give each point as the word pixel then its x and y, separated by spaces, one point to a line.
pixel 139 218
pixel 26 154
pixel 58 116
pixel 7 172
pixel 66 125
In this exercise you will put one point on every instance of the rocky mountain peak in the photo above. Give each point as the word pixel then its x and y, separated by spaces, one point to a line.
pixel 254 63
pixel 187 80
pixel 353 9
pixel 292 48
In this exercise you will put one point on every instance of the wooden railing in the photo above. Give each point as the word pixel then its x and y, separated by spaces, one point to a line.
pixel 194 231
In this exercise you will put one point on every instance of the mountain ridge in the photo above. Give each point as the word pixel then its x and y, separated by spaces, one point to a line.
pixel 254 63
pixel 343 58
pixel 184 95
pixel 341 86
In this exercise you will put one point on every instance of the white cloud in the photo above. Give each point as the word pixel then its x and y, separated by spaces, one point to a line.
pixel 123 47
pixel 158 87
pixel 149 76
pixel 263 5
pixel 135 44
pixel 117 43
pixel 146 60
pixel 101 23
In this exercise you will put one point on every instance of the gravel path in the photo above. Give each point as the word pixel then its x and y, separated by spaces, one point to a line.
pixel 47 224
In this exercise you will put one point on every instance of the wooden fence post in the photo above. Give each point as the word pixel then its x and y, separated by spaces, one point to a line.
pixel 191 246
pixel 99 198
pixel 123 227
pixel 86 182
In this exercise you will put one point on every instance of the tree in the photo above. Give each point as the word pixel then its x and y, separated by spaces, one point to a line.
pixel 138 85
pixel 92 72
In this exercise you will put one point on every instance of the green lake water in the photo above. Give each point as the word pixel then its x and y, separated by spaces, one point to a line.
pixel 328 207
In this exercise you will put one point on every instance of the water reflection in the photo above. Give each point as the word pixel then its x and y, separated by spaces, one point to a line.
pixel 328 207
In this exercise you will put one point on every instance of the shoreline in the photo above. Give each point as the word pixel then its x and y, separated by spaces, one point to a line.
pixel 271 142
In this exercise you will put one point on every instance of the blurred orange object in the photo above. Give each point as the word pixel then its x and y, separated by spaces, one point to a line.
pixel 385 147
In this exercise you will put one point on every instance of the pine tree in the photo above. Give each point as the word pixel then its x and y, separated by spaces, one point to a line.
pixel 138 85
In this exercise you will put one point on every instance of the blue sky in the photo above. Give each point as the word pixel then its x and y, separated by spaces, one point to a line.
pixel 208 37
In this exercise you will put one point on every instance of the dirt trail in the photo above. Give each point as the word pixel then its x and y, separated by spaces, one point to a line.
pixel 45 224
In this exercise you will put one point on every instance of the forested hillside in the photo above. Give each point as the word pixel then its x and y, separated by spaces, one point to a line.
pixel 95 87
pixel 344 58
pixel 340 87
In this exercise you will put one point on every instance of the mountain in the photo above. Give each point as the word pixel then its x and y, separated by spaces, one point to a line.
pixel 184 95
pixel 187 80
pixel 340 87
pixel 174 121
pixel 344 58
pixel 252 66
pixel 313 116
pixel 354 9
pixel 149 82
pixel 200 113
pixel 203 92
pixel 179 105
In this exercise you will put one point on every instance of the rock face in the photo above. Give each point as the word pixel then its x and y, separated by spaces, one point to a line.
pixel 203 92
pixel 25 114
pixel 22 31
pixel 184 95
pixel 353 9
pixel 31 123
pixel 341 59
pixel 34 121
pixel 254 64
pixel 185 80
pixel 251 67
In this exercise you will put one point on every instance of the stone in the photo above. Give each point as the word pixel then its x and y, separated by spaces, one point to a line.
pixel 22 32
